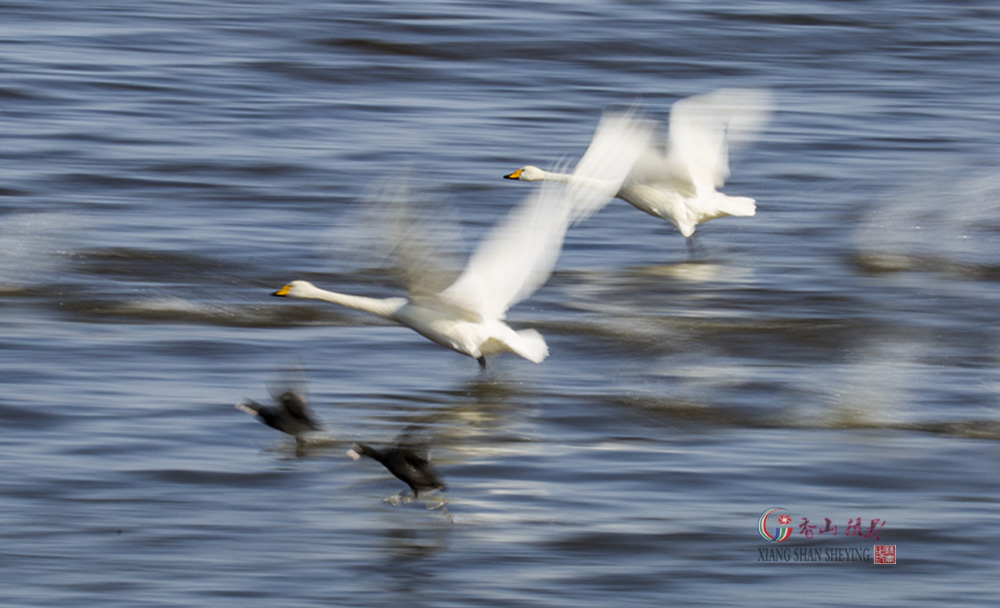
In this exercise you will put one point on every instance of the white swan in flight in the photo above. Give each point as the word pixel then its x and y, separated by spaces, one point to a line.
pixel 468 316
pixel 679 182
pixel 511 263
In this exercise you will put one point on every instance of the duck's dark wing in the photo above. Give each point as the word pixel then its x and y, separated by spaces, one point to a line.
pixel 412 441
pixel 298 410
pixel 414 460
pixel 419 473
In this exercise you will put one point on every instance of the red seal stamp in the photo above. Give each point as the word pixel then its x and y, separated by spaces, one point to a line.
pixel 885 554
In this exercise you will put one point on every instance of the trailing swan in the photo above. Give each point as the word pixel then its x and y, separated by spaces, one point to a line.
pixel 679 181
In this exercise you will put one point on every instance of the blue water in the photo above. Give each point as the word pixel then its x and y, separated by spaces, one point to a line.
pixel 165 167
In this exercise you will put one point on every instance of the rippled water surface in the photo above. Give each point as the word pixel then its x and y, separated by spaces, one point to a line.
pixel 165 166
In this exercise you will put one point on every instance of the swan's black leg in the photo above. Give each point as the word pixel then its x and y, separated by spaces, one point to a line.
pixel 482 362
pixel 694 248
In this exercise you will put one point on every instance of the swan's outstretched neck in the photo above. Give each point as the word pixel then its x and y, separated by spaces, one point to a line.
pixel 555 176
pixel 531 173
pixel 383 307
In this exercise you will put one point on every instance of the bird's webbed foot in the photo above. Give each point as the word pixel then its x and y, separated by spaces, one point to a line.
pixel 440 504
pixel 399 499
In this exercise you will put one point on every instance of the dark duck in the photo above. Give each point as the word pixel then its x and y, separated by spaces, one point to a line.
pixel 290 414
pixel 407 460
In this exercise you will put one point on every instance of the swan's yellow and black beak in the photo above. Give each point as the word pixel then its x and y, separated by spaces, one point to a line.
pixel 283 291
pixel 514 175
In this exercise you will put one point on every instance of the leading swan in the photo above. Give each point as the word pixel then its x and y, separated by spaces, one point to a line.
pixel 468 315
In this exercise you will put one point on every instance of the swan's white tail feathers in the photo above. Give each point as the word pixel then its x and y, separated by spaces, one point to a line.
pixel 531 345
pixel 741 206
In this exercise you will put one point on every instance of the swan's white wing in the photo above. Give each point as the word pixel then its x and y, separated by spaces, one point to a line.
pixel 703 128
pixel 517 256
pixel 619 141
pixel 419 239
